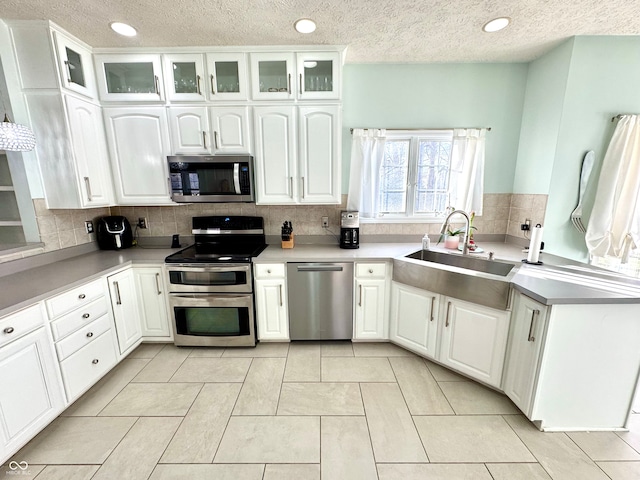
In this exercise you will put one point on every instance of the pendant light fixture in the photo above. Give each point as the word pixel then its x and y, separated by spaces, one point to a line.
pixel 15 137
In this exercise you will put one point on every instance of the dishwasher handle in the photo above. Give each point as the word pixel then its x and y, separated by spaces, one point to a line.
pixel 320 268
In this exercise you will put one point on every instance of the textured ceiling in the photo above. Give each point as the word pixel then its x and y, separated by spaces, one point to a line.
pixel 374 30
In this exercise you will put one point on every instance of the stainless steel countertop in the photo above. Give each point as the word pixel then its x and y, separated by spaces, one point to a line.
pixel 580 283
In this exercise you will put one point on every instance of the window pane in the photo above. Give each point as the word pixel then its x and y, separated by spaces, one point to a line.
pixel 432 176
pixel 393 177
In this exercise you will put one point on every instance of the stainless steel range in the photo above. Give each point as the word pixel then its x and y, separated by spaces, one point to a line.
pixel 211 284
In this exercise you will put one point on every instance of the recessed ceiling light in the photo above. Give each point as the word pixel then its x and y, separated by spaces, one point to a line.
pixel 123 29
pixel 305 25
pixel 496 24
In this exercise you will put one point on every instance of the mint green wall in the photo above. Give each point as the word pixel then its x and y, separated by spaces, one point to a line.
pixel 440 95
pixel 604 80
pixel 543 108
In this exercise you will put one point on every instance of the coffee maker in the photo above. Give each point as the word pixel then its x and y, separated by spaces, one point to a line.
pixel 349 229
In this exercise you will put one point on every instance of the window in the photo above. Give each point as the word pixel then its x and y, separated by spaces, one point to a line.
pixel 415 174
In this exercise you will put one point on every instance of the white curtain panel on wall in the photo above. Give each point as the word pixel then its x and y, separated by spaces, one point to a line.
pixel 367 153
pixel 467 169
pixel 614 225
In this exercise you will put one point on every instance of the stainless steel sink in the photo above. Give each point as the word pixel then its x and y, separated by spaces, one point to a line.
pixel 476 280
pixel 470 263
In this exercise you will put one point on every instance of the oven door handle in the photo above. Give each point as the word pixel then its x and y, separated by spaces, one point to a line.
pixel 236 268
pixel 210 300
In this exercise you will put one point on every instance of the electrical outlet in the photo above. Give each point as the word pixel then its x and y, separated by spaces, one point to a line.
pixel 88 226
pixel 526 225
pixel 325 222
pixel 142 223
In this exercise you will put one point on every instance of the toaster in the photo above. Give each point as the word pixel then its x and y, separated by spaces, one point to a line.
pixel 114 233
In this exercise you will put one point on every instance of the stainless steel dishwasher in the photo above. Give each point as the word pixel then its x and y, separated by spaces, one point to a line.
pixel 320 301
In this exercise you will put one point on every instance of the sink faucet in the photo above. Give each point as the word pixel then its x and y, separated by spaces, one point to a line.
pixel 445 226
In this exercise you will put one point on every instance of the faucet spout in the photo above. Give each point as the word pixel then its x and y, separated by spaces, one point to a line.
pixel 445 225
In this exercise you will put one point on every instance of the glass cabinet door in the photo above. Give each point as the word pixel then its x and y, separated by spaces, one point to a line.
pixel 185 76
pixel 129 77
pixel 76 69
pixel 319 75
pixel 227 76
pixel 272 76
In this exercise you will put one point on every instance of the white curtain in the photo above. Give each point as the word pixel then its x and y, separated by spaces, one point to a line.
pixel 467 169
pixel 367 153
pixel 614 225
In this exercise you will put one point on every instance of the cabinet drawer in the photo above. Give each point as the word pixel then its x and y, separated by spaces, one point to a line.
pixel 75 298
pixel 371 270
pixel 82 316
pixel 87 365
pixel 270 270
pixel 18 324
pixel 82 337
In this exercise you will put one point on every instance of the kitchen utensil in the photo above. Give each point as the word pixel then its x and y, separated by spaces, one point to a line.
pixel 585 172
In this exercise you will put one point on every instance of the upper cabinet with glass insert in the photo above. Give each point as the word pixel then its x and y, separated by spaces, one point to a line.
pixel 227 76
pixel 273 76
pixel 129 77
pixel 319 75
pixel 185 77
pixel 76 67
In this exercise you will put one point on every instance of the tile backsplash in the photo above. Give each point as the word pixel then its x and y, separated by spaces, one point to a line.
pixel 503 214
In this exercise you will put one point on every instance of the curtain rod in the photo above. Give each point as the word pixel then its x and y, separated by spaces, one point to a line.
pixel 417 129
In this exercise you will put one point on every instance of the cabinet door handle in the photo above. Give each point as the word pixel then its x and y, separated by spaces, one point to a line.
pixel 95 361
pixel 280 289
pixel 289 84
pixel 90 334
pixel 213 82
pixel 66 64
pixel 170 186
pixel 291 186
pixel 82 296
pixel 155 80
pixel 8 330
pixel 158 283
pixel 433 300
pixel 87 183
pixel 215 140
pixel 300 83
pixel 302 187
pixel 198 85
pixel 446 324
pixel 530 337
pixel 360 300
pixel 204 139
pixel 118 299
pixel 85 315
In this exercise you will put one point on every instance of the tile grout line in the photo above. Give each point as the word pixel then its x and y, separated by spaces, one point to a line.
pixel 525 445
pixel 366 420
pixel 227 424
pixel 117 444
pixel 586 454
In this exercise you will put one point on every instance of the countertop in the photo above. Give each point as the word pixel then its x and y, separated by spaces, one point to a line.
pixel 558 281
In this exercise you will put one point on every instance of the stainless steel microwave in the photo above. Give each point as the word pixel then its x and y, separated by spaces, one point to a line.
pixel 211 178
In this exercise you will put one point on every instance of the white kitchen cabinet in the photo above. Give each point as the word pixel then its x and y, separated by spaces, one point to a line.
pixel 31 394
pixel 319 75
pixel 185 77
pixel 371 319
pixel 474 339
pixel 271 302
pixel 190 132
pixel 525 347
pixel 227 76
pixel 414 319
pixel 152 301
pixel 319 154
pixel 231 131
pixel 273 76
pixel 286 174
pixel 126 312
pixel 138 140
pixel 75 64
pixel 129 77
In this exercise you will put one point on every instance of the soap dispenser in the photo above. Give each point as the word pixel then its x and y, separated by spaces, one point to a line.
pixel 425 242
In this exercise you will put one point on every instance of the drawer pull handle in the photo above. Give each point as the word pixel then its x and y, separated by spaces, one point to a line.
pixel 8 330
pixel 82 296
pixel 371 270
pixel 268 271
pixel 85 315
pixel 95 361
pixel 90 334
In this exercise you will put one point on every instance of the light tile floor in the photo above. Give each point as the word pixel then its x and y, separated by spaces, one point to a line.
pixel 308 411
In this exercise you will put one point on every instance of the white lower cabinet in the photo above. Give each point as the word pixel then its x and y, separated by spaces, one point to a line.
pixel 371 312
pixel 152 301
pixel 31 393
pixel 525 347
pixel 271 302
pixel 126 313
pixel 414 319
pixel 474 340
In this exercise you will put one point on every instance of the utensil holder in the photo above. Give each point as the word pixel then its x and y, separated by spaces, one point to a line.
pixel 288 243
